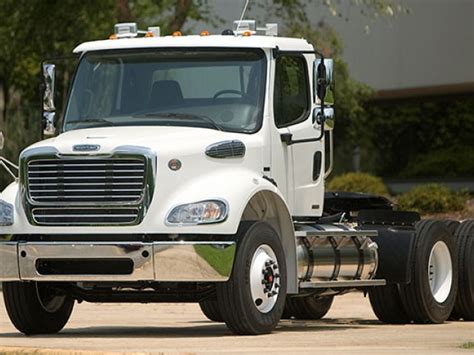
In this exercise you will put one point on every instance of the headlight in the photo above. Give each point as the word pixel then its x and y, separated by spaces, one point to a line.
pixel 6 213
pixel 202 212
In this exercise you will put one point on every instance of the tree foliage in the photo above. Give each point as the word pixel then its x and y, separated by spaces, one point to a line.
pixel 422 137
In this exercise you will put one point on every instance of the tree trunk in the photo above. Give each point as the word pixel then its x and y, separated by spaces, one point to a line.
pixel 124 14
pixel 181 12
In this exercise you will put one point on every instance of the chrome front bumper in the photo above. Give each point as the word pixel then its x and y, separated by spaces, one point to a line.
pixel 157 261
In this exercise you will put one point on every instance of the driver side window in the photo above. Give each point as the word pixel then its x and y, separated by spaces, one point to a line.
pixel 291 100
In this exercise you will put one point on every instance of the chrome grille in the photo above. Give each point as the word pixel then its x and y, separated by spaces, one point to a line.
pixel 84 216
pixel 79 191
pixel 86 181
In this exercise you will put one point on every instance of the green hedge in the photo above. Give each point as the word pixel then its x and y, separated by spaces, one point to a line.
pixel 432 198
pixel 358 182
pixel 449 162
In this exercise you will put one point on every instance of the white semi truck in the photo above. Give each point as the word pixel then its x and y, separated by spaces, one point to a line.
pixel 192 169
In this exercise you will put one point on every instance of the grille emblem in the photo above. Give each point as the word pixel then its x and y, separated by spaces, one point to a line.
pixel 86 148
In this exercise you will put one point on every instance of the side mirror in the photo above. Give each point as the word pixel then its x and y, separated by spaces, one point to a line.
pixel 2 140
pixel 49 109
pixel 324 93
pixel 323 78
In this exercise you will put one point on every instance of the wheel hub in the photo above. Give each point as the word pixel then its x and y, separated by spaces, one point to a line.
pixel 264 279
pixel 440 272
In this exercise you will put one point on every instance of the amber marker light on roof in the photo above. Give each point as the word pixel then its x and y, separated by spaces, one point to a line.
pixel 247 34
pixel 177 34
pixel 204 33
pixel 113 36
pixel 149 34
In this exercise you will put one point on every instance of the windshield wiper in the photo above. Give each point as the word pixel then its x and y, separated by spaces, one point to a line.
pixel 177 115
pixel 92 120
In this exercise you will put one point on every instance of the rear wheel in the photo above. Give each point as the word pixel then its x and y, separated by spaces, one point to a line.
pixel 464 307
pixel 253 299
pixel 307 307
pixel 210 308
pixel 36 307
pixel 431 293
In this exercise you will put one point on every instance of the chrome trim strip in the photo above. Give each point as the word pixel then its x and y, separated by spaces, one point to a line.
pixel 156 261
pixel 345 284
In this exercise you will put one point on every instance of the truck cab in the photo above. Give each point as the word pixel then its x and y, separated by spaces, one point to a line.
pixel 189 169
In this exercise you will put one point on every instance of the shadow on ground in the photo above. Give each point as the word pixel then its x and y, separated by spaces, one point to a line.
pixel 199 329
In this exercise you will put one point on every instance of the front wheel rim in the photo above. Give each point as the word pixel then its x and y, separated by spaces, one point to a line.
pixel 264 278
pixel 440 272
pixel 49 300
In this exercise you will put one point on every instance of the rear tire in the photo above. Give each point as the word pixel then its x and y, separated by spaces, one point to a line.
pixel 36 307
pixel 387 304
pixel 253 299
pixel 464 307
pixel 211 310
pixel 452 225
pixel 308 307
pixel 431 293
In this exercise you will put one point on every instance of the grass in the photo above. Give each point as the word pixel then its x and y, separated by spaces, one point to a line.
pixel 219 258
pixel 468 345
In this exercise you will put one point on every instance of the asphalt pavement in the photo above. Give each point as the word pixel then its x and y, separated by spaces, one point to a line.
pixel 349 327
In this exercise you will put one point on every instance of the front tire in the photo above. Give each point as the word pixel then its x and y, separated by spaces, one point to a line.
pixel 36 307
pixel 307 307
pixel 253 299
pixel 211 310
pixel 431 293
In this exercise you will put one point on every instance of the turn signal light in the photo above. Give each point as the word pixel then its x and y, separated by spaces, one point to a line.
pixel 247 34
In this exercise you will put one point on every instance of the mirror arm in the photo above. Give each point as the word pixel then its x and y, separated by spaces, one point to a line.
pixel 8 162
pixel 287 138
pixel 4 162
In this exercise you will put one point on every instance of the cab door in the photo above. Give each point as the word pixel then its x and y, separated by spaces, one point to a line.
pixel 302 163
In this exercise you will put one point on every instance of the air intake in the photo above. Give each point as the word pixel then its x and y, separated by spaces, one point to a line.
pixel 226 149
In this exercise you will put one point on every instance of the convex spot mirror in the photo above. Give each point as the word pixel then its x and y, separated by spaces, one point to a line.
pixel 323 77
pixel 328 118
pixel 49 109
pixel 2 140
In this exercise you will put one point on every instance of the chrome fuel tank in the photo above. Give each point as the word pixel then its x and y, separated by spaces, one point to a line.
pixel 335 252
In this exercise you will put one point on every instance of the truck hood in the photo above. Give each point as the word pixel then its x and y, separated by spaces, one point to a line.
pixel 161 139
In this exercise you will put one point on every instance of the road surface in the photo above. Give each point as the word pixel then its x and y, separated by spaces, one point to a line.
pixel 350 327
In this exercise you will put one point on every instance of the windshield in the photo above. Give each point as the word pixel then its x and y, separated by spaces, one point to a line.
pixel 216 89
